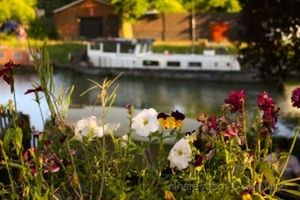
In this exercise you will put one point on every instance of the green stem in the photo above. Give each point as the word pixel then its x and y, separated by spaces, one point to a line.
pixel 245 126
pixel 15 100
pixel 14 194
pixel 75 171
pixel 103 153
pixel 37 99
pixel 287 160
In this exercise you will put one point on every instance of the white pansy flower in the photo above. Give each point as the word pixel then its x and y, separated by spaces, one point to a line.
pixel 145 122
pixel 91 127
pixel 180 155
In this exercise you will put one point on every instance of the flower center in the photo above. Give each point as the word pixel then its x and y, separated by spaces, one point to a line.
pixel 179 152
pixel 146 122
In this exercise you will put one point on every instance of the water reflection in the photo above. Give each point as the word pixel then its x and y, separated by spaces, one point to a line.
pixel 190 97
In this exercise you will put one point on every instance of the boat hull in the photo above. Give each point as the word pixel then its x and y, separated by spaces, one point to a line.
pixel 204 75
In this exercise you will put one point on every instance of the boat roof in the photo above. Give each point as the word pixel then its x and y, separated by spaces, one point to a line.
pixel 123 40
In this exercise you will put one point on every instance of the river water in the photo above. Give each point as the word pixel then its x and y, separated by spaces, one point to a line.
pixel 188 96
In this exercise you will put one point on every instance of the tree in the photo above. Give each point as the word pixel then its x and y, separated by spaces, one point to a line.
pixel 21 10
pixel 271 30
pixel 132 10
pixel 129 11
pixel 50 5
pixel 213 5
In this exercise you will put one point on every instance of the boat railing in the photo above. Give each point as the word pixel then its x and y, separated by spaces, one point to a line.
pixel 5 122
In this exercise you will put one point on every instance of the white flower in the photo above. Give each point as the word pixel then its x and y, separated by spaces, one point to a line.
pixel 145 122
pixel 180 155
pixel 89 127
pixel 124 140
pixel 191 138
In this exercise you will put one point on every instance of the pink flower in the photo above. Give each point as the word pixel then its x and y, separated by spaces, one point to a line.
pixel 54 167
pixel 236 100
pixel 296 98
pixel 232 130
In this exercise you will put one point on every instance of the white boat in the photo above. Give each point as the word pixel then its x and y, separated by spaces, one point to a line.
pixel 135 58
pixel 137 53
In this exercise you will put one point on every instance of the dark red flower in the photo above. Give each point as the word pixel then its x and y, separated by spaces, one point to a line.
pixel 6 73
pixel 63 138
pixel 270 111
pixel 296 98
pixel 236 100
pixel 247 191
pixel 270 118
pixel 212 123
pixel 264 133
pixel 48 143
pixel 198 160
pixel 178 115
pixel 35 90
pixel 264 101
pixel 33 171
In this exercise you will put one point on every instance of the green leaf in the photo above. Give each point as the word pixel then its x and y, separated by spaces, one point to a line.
pixel 8 136
pixel 18 139
pixel 45 196
pixel 264 166
pixel 289 184
pixel 15 135
pixel 293 192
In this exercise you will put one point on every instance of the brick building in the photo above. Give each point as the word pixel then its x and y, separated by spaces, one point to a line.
pixel 96 18
pixel 86 19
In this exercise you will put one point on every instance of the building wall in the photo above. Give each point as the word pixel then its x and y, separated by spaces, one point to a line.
pixel 178 26
pixel 67 21
pixel 157 26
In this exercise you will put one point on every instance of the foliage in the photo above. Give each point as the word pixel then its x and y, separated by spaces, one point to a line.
pixel 49 6
pixel 227 158
pixel 130 10
pixel 167 6
pixel 271 31
pixel 213 5
pixel 41 28
pixel 21 10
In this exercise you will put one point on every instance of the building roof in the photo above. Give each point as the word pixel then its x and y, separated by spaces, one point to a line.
pixel 77 2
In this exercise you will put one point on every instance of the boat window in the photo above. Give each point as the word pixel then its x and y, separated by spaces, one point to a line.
pixel 149 48
pixel 1 54
pixel 109 47
pixel 143 48
pixel 95 46
pixel 173 64
pixel 216 64
pixel 17 56
pixel 228 64
pixel 127 48
pixel 150 63
pixel 195 64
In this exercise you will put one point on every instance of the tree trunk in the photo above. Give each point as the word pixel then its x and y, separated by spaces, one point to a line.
pixel 127 30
